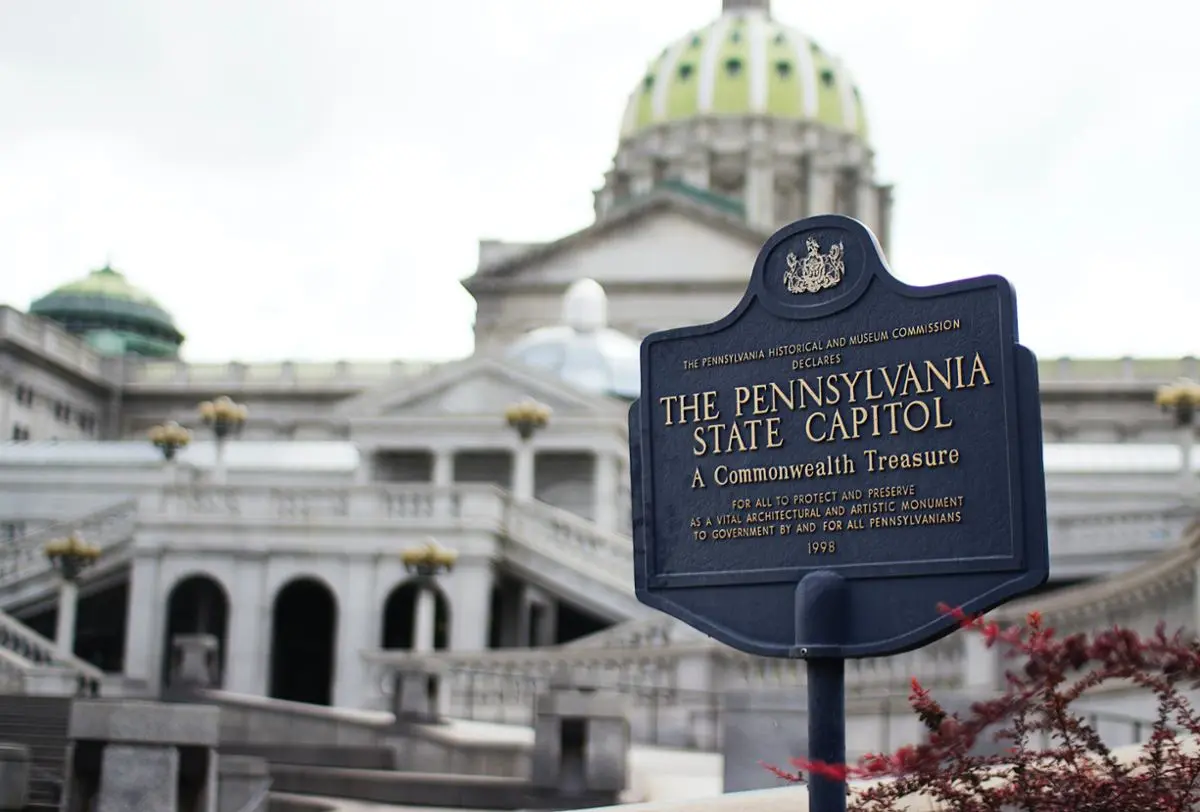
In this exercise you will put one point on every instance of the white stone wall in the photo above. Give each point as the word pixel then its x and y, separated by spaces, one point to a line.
pixel 37 400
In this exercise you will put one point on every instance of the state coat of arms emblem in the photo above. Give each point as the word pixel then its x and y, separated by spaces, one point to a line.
pixel 817 271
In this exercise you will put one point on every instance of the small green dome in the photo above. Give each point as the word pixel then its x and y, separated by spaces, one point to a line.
pixel 112 315
pixel 746 64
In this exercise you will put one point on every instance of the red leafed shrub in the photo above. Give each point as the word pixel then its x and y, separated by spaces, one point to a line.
pixel 1053 759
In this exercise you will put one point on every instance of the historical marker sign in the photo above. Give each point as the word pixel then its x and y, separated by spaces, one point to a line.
pixel 814 473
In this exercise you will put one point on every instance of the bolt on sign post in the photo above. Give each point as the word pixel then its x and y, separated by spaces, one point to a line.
pixel 815 473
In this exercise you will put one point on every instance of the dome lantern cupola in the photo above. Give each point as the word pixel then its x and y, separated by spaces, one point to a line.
pixel 112 315
pixel 752 116
pixel 584 351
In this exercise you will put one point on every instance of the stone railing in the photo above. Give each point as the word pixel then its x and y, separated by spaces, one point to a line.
pixel 675 690
pixel 1148 371
pixel 345 375
pixel 13 668
pixel 557 534
pixel 572 540
pixel 1108 533
pixel 1161 590
pixel 23 652
pixel 359 504
pixel 110 529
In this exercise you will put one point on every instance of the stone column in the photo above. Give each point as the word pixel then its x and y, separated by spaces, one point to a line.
pixel 443 468
pixel 68 603
pixel 524 466
pixel 357 630
pixel 605 490
pixel 868 203
pixel 981 664
pixel 219 474
pixel 1187 444
pixel 822 188
pixel 364 474
pixel 760 189
pixel 695 170
pixel 247 649
pixel 424 619
pixel 1196 599
pixel 443 477
pixel 641 179
pixel 144 620
pixel 469 589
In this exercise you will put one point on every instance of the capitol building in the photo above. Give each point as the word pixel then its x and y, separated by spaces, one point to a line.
pixel 321 526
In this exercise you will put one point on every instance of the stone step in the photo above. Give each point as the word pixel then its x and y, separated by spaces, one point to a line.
pixel 39 723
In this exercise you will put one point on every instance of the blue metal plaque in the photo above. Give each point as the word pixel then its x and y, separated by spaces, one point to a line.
pixel 814 473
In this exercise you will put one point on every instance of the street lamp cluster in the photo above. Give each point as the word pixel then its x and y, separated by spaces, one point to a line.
pixel 527 417
pixel 169 438
pixel 223 416
pixel 426 562
pixel 1181 399
pixel 429 560
pixel 70 556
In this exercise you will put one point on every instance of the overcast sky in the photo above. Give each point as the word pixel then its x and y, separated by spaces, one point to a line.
pixel 309 178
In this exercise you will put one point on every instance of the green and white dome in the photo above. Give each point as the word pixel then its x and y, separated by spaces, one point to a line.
pixel 746 64
pixel 112 315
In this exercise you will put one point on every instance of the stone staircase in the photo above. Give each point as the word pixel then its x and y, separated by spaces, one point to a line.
pixel 573 558
pixel 39 723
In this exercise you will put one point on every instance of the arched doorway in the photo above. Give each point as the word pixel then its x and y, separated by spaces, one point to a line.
pixel 399 617
pixel 303 640
pixel 197 605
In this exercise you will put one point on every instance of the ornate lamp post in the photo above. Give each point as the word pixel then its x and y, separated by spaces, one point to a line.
pixel 70 556
pixel 169 437
pixel 1181 400
pixel 426 563
pixel 226 419
pixel 526 418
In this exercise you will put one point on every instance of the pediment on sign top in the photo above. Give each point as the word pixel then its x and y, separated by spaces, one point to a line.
pixel 476 387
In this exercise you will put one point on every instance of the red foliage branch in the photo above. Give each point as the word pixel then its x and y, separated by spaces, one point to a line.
pixel 1055 760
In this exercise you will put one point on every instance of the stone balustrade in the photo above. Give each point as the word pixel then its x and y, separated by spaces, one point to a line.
pixel 574 541
pixel 674 690
pixel 110 529
pixel 346 376
pixel 13 668
pixel 367 504
pixel 544 529
pixel 25 655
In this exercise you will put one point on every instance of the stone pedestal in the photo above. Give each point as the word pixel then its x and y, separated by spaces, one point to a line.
pixel 195 661
pixel 415 696
pixel 242 779
pixel 128 756
pixel 581 743
pixel 14 777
